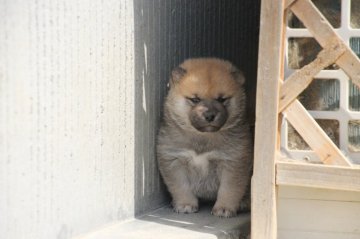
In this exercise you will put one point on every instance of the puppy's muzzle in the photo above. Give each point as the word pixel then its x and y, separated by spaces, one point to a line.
pixel 209 115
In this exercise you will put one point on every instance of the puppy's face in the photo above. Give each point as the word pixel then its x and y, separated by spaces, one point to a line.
pixel 204 93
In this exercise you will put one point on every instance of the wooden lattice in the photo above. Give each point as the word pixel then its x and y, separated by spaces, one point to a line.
pixel 334 51
pixel 277 98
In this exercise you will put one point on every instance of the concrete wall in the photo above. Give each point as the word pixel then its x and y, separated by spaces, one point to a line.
pixel 67 116
pixel 81 89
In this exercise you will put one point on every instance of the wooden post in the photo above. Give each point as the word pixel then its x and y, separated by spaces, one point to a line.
pixel 263 213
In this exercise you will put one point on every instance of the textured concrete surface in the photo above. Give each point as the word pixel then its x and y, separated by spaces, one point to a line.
pixel 66 116
pixel 164 223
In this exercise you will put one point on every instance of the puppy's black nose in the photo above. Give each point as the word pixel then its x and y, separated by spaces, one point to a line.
pixel 209 116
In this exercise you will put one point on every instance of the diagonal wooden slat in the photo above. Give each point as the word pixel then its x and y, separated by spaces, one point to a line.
pixel 295 112
pixel 301 79
pixel 321 29
pixel 313 135
pixel 288 3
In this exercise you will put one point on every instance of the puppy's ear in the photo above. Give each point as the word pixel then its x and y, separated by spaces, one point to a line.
pixel 176 75
pixel 238 75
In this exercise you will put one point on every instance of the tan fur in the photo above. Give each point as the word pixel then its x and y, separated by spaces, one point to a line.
pixel 207 73
pixel 212 165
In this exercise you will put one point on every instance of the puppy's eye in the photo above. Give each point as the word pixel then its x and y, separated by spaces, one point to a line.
pixel 194 100
pixel 222 99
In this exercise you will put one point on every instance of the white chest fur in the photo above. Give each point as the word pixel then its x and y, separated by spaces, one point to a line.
pixel 200 162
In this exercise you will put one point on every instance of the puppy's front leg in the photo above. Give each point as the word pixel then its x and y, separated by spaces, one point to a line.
pixel 231 191
pixel 184 200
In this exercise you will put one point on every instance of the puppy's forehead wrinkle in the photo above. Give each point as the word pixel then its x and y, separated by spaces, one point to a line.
pixel 208 78
pixel 210 88
pixel 209 63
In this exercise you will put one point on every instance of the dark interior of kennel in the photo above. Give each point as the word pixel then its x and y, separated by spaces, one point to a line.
pixel 166 33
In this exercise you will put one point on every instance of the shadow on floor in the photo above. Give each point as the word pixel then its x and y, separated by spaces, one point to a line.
pixel 203 224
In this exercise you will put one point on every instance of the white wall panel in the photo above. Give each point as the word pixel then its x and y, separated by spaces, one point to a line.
pixel 318 213
pixel 66 116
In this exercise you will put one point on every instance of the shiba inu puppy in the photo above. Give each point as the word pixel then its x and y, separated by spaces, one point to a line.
pixel 204 147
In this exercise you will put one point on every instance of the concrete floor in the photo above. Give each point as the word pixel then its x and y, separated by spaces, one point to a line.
pixel 164 223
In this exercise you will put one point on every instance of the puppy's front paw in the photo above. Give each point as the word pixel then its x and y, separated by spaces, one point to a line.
pixel 186 208
pixel 223 211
